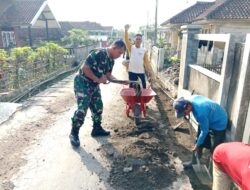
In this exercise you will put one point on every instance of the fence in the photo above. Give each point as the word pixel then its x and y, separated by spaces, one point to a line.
pixel 20 74
pixel 216 66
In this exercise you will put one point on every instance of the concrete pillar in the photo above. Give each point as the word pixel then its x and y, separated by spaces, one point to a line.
pixel 242 118
pixel 160 59
pixel 188 56
pixel 226 72
pixel 246 134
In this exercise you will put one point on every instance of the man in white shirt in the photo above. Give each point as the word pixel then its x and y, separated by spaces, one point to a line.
pixel 138 61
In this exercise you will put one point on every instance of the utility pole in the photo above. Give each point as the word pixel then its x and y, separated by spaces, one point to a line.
pixel 156 13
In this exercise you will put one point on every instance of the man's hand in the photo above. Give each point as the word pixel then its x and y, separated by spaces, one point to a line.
pixel 127 26
pixel 196 148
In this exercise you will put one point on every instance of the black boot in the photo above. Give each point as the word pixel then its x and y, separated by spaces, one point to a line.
pixel 98 131
pixel 74 137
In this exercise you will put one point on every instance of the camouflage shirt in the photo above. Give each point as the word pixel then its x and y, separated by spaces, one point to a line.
pixel 99 62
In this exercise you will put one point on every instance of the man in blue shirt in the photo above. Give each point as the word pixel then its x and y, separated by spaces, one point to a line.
pixel 211 118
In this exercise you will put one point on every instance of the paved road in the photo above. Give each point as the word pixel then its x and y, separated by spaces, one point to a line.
pixel 50 161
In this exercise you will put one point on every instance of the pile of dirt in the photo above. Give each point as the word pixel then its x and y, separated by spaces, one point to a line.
pixel 169 77
pixel 144 163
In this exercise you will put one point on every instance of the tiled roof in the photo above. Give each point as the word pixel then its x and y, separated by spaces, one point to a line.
pixel 188 15
pixel 21 12
pixel 227 9
pixel 66 26
pixel 4 4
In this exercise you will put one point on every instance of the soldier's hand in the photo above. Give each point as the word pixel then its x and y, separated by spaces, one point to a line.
pixel 126 82
pixel 103 79
pixel 127 26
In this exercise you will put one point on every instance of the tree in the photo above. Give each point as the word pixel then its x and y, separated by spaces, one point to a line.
pixel 77 37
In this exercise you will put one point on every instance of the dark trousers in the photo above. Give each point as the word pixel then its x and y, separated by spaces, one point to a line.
pixel 135 76
pixel 213 139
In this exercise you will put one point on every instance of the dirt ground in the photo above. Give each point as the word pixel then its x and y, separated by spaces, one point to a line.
pixel 149 148
pixel 140 155
pixel 180 141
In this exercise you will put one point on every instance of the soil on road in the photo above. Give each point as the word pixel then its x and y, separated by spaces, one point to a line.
pixel 144 157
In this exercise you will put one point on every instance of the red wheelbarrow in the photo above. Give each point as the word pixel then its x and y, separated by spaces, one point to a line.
pixel 136 103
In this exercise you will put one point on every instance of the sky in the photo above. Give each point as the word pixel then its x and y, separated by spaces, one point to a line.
pixel 117 13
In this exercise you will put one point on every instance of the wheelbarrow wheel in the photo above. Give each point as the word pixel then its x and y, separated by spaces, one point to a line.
pixel 137 114
pixel 137 120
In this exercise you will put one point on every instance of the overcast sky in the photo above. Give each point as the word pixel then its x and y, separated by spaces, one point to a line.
pixel 117 13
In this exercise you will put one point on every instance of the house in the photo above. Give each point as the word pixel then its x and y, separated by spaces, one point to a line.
pixel 221 72
pixel 220 16
pixel 187 16
pixel 26 22
pixel 95 30
pixel 226 16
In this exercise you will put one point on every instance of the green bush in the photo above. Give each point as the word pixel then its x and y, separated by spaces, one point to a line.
pixel 3 60
pixel 25 65
pixel 52 55
pixel 174 60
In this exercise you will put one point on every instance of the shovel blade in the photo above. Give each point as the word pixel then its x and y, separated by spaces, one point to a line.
pixel 203 174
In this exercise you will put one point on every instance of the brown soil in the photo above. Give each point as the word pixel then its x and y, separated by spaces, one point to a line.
pixel 182 143
pixel 147 148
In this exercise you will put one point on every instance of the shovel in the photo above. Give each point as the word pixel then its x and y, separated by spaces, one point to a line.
pixel 201 170
pixel 135 84
pixel 122 81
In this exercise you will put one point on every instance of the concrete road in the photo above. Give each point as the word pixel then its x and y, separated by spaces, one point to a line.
pixel 46 159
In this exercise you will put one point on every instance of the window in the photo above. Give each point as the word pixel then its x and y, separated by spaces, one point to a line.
pixel 8 38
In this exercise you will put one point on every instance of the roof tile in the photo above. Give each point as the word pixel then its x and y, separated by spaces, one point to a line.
pixel 189 14
pixel 21 12
pixel 227 9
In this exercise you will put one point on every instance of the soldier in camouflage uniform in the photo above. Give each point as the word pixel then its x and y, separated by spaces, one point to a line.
pixel 96 70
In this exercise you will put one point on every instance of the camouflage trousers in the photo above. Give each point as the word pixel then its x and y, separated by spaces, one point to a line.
pixel 88 95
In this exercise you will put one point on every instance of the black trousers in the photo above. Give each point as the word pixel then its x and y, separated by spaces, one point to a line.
pixel 135 76
pixel 213 139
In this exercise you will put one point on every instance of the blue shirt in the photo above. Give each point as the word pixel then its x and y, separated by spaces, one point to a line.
pixel 209 115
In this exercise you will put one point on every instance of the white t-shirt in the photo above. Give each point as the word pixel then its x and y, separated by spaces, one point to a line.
pixel 136 61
